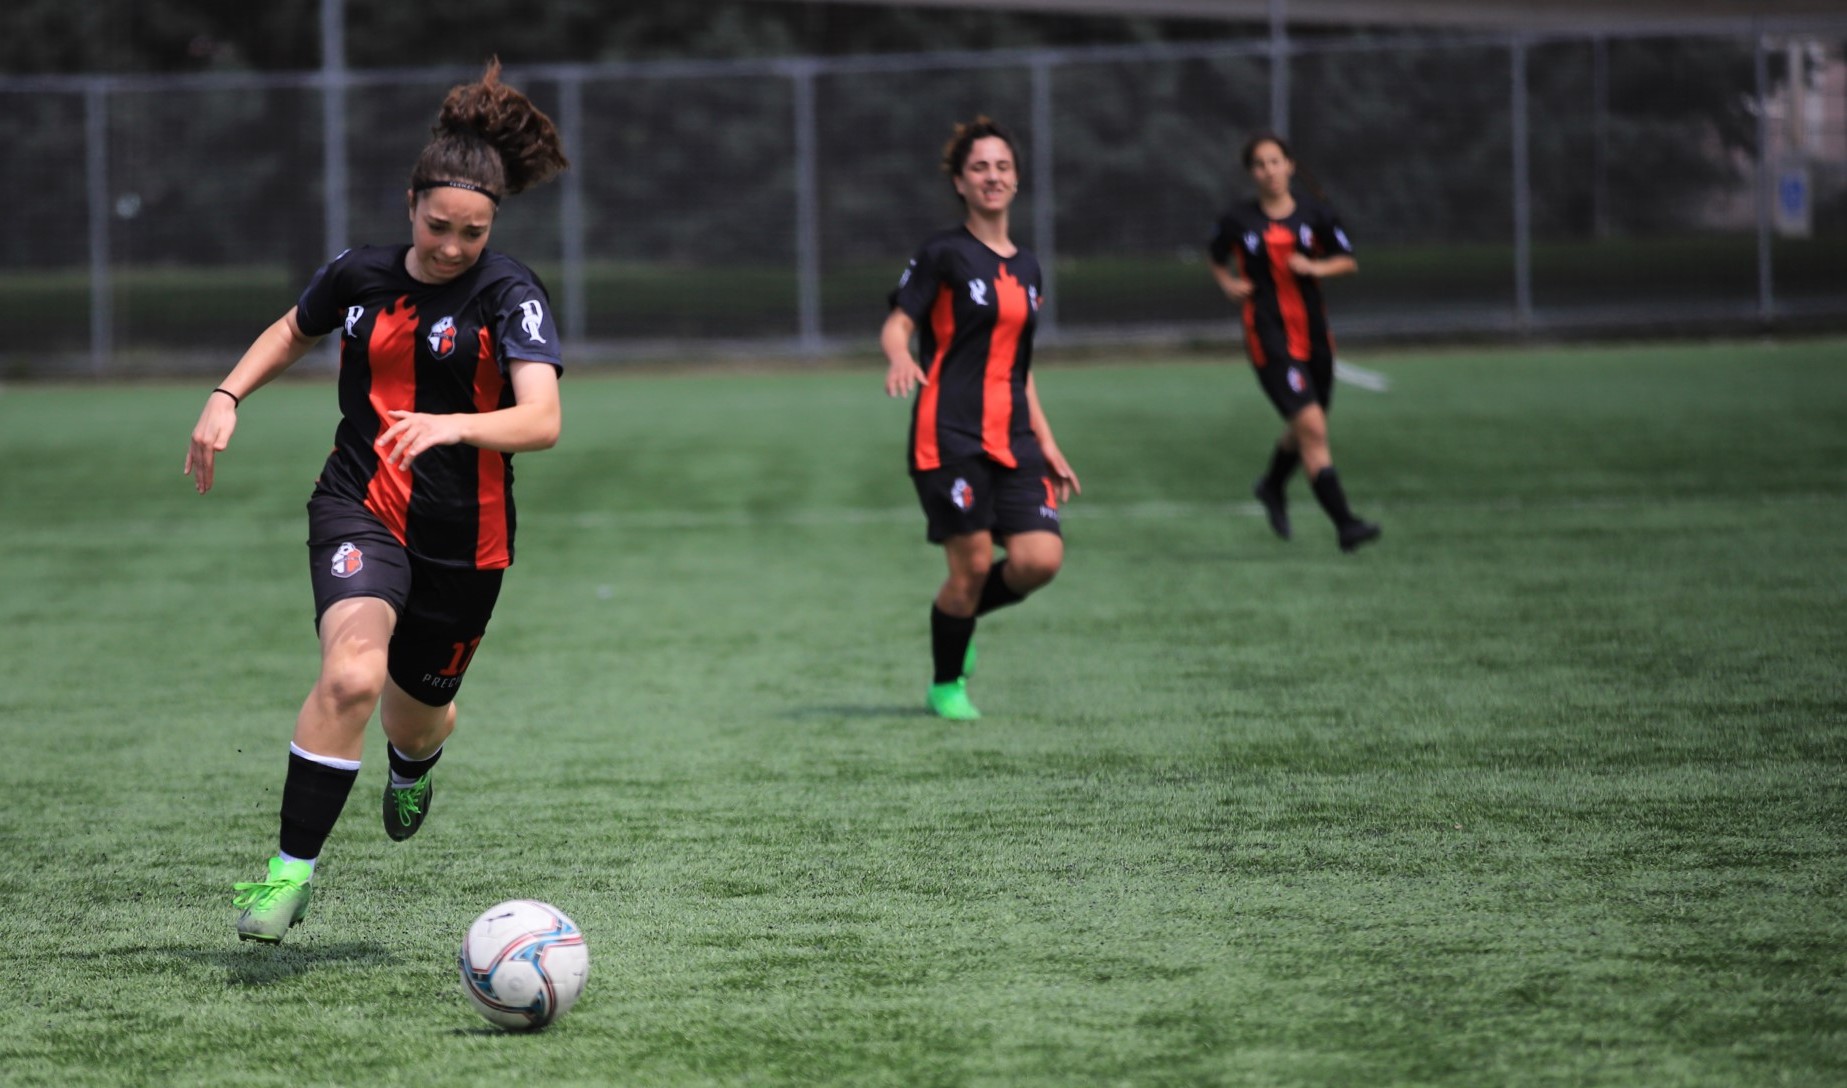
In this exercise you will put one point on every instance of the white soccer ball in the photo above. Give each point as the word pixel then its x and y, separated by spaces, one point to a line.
pixel 523 964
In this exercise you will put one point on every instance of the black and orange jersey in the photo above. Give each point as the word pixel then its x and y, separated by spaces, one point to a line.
pixel 975 312
pixel 1283 317
pixel 437 348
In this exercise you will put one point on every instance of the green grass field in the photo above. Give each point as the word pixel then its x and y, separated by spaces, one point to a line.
pixel 1548 788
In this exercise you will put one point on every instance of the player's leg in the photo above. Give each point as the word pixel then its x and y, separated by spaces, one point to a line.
pixel 969 557
pixel 323 761
pixel 444 621
pixel 1311 433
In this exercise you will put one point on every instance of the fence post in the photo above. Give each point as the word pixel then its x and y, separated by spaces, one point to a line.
pixel 1045 198
pixel 1760 66
pixel 96 184
pixel 1279 67
pixel 807 209
pixel 1523 194
pixel 571 208
pixel 333 124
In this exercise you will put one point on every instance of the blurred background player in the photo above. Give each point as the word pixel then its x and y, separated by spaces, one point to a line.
pixel 1285 245
pixel 981 452
pixel 449 364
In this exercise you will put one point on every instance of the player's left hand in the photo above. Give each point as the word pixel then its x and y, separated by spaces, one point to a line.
pixel 1063 479
pixel 415 432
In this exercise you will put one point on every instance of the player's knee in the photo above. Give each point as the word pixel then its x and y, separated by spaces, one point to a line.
pixel 352 683
pixel 1034 572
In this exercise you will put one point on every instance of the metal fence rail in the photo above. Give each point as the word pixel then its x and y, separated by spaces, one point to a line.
pixel 1496 183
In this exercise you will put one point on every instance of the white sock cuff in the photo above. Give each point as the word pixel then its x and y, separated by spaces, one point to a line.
pixel 439 751
pixel 325 761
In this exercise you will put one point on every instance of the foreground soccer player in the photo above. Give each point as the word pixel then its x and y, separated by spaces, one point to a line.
pixel 449 365
pixel 982 455
pixel 1285 246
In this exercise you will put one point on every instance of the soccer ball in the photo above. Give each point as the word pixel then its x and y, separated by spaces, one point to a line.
pixel 523 964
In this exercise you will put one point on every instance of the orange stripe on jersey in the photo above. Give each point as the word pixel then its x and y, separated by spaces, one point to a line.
pixel 491 552
pixel 1251 343
pixel 1281 243
pixel 943 328
pixel 997 382
pixel 392 353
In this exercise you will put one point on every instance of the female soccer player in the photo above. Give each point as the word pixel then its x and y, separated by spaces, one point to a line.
pixel 449 365
pixel 1285 246
pixel 982 455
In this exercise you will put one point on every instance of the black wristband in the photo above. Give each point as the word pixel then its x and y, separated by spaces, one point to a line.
pixel 236 401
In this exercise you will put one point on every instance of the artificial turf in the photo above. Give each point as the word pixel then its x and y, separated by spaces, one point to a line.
pixel 1546 788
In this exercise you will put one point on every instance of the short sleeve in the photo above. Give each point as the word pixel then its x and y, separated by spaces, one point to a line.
pixel 916 290
pixel 524 327
pixel 317 311
pixel 1218 246
pixel 1331 235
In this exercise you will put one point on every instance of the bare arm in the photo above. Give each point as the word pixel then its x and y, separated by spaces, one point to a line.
pixel 902 374
pixel 1326 268
pixel 1062 476
pixel 534 422
pixel 1236 287
pixel 277 348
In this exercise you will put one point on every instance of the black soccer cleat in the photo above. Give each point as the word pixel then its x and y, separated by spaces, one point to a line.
pixel 406 808
pixel 1355 533
pixel 1275 506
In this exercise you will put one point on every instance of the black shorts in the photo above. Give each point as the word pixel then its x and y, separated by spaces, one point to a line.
pixel 1293 385
pixel 442 611
pixel 986 496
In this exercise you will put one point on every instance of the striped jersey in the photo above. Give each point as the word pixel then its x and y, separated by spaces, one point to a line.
pixel 975 312
pixel 1283 317
pixel 437 348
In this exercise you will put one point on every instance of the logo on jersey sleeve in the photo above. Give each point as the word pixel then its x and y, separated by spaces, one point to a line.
pixel 905 279
pixel 1341 237
pixel 442 337
pixel 353 314
pixel 962 494
pixel 1032 297
pixel 531 323
pixel 1296 381
pixel 348 560
pixel 1251 241
pixel 1307 235
pixel 978 291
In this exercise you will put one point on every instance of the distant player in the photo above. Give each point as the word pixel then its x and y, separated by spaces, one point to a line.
pixel 1284 246
pixel 981 453
pixel 449 365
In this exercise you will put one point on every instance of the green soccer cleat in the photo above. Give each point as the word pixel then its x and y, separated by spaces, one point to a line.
pixel 271 906
pixel 406 808
pixel 968 662
pixel 951 701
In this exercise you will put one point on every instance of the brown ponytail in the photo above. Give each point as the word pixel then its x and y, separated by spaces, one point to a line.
pixel 490 138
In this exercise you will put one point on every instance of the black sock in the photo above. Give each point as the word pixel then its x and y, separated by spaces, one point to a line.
pixel 949 637
pixel 1334 500
pixel 1282 466
pixel 995 592
pixel 312 797
pixel 411 769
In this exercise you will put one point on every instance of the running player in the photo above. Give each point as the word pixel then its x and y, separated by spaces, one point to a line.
pixel 449 365
pixel 981 453
pixel 1285 246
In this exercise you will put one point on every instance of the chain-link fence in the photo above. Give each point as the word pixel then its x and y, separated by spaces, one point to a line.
pixel 1493 184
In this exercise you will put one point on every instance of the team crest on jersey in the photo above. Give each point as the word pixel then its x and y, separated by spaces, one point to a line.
pixel 962 494
pixel 1308 237
pixel 353 314
pixel 1251 241
pixel 535 314
pixel 1296 381
pixel 442 337
pixel 978 291
pixel 348 560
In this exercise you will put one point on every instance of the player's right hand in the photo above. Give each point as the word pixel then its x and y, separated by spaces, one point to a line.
pixel 217 420
pixel 903 376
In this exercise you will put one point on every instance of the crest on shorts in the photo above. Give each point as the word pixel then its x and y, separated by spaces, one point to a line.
pixel 1296 381
pixel 962 494
pixel 348 560
pixel 442 337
